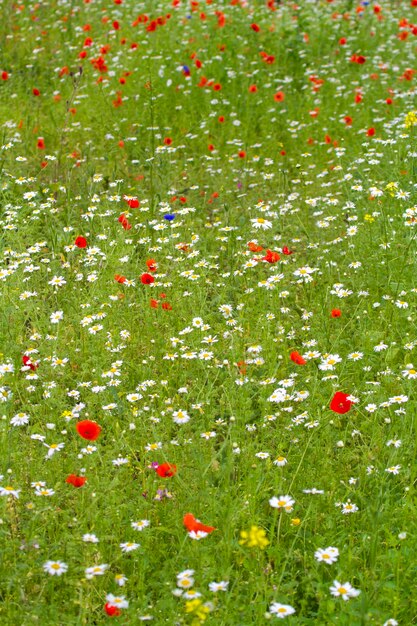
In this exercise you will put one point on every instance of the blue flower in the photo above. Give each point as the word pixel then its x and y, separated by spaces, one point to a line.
pixel 169 217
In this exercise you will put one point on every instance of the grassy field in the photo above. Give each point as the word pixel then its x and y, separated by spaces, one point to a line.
pixel 208 312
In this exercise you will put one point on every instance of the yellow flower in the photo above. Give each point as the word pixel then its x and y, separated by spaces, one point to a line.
pixel 369 218
pixel 296 521
pixel 192 605
pixel 410 119
pixel 198 609
pixel 254 538
pixel 392 188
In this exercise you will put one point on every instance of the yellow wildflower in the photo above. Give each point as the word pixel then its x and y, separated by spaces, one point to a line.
pixel 410 119
pixel 198 609
pixel 254 538
pixel 392 188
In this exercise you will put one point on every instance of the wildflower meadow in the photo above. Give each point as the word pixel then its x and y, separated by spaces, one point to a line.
pixel 208 357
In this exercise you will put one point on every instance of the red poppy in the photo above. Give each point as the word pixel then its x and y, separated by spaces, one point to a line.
pixel 268 58
pixel 279 96
pixel 348 120
pixel 287 251
pixel 118 101
pixel 151 265
pixel 255 28
pixel 111 610
pixel 297 358
pixel 40 143
pixel 340 403
pixel 167 141
pixel 36 92
pixel 133 203
pixel 336 313
pixel 253 247
pixel 119 279
pixel 153 303
pixel 166 470
pixel 193 524
pixel 88 430
pixel 167 306
pixel 124 222
pixel 4 75
pixel 81 242
pixel 242 154
pixel 370 132
pixel 271 256
pixel 253 89
pixel 28 362
pixel 147 279
pixel 76 481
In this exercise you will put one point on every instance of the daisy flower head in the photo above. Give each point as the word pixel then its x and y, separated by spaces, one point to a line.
pixel 280 461
pixel 282 502
pixel 346 590
pixel 180 417
pixel 55 568
pixel 260 223
pixel 20 419
pixel 129 546
pixel 220 586
pixel 95 570
pixel 190 594
pixel 349 507
pixel 140 525
pixel 120 580
pixel 327 555
pixel 197 534
pixel 185 582
pixel 281 610
pixel 56 317
pixel 119 602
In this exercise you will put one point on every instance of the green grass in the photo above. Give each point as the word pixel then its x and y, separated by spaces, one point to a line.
pixel 333 194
